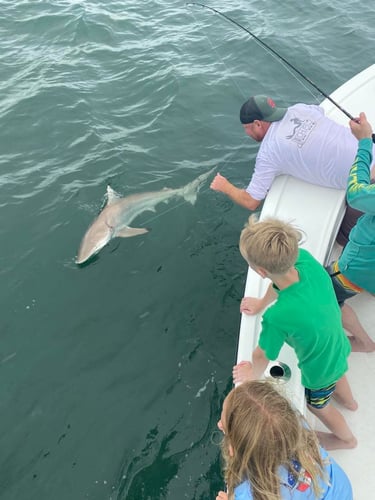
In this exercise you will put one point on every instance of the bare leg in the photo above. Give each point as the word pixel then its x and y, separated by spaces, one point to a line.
pixel 341 437
pixel 361 342
pixel 343 394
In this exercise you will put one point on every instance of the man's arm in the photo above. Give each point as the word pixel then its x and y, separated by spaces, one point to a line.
pixel 239 196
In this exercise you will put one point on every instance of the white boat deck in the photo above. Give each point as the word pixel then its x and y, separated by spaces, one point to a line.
pixel 359 463
pixel 318 212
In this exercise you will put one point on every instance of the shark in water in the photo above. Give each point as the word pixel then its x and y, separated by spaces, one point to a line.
pixel 115 218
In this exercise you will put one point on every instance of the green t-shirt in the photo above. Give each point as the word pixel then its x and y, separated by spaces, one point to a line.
pixel 307 317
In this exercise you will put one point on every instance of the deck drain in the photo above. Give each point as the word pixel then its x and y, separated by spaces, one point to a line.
pixel 280 371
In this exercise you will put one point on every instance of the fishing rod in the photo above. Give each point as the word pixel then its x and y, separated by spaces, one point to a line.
pixel 279 56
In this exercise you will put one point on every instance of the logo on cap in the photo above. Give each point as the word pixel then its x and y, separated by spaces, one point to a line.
pixel 271 103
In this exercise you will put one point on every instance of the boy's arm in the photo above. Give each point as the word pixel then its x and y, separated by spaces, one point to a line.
pixel 246 370
pixel 253 305
pixel 260 362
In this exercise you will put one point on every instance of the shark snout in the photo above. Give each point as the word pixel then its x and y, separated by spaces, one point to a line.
pixel 94 240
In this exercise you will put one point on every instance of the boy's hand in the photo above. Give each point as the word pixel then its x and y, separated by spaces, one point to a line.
pixel 360 127
pixel 251 305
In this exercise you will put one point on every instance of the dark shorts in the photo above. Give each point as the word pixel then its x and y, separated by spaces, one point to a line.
pixel 342 293
pixel 319 398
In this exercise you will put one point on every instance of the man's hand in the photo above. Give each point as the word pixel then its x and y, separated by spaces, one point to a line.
pixel 360 127
pixel 220 183
pixel 239 196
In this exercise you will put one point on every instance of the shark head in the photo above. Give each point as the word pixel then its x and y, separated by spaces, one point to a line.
pixel 96 237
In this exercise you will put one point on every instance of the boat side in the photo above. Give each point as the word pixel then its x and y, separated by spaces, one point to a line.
pixel 296 201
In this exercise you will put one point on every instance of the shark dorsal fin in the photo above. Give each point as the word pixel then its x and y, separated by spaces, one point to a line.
pixel 112 196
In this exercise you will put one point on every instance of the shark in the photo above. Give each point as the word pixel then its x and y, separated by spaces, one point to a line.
pixel 119 212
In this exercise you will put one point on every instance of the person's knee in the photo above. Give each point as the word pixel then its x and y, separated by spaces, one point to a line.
pixel 351 442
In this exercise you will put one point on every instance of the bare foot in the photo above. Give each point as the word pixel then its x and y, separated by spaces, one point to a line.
pixel 331 442
pixel 242 372
pixel 358 346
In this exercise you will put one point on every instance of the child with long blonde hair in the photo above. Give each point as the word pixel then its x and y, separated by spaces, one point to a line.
pixel 271 454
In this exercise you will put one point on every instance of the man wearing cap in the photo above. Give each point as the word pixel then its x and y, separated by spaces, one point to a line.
pixel 299 141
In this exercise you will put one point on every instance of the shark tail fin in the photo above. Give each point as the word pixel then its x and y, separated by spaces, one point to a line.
pixel 190 191
pixel 190 195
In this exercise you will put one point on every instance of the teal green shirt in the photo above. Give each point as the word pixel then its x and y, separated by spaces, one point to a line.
pixel 307 317
pixel 357 262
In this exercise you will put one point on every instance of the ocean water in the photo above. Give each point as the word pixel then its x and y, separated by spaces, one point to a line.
pixel 113 373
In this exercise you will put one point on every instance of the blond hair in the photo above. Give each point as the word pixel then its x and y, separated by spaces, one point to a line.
pixel 264 432
pixel 271 244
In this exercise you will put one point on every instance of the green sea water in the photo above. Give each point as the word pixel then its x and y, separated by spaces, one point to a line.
pixel 112 374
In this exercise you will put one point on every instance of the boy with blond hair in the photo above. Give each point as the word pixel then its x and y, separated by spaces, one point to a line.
pixel 306 316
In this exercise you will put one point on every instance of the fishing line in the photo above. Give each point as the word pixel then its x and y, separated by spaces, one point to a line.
pixel 221 59
pixel 174 207
pixel 277 55
pixel 183 202
pixel 170 209
pixel 201 191
pixel 270 52
pixel 231 155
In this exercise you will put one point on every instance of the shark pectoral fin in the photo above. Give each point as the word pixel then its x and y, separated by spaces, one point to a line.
pixel 128 232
